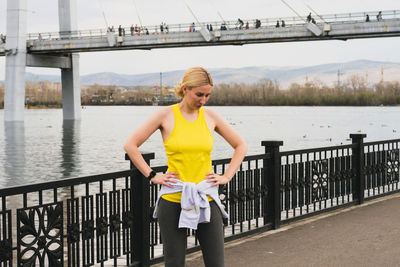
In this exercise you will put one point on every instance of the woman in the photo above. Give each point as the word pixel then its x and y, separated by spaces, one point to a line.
pixel 187 129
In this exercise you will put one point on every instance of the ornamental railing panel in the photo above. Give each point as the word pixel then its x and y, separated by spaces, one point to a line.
pixel 73 222
pixel 315 179
pixel 381 167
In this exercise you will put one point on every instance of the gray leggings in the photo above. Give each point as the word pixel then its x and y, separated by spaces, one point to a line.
pixel 210 236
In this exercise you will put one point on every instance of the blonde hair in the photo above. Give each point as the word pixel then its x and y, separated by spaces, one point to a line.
pixel 194 77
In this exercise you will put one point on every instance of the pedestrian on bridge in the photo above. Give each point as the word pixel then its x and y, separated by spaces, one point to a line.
pixel 240 23
pixel 119 30
pixel 132 29
pixel 379 16
pixel 258 23
pixel 189 196
pixel 309 18
pixel 313 21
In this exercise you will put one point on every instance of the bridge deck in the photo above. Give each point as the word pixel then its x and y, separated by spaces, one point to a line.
pixel 333 27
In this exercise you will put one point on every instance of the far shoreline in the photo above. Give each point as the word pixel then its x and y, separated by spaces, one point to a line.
pixel 147 105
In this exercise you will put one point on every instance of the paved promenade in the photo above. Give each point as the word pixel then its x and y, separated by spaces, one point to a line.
pixel 366 235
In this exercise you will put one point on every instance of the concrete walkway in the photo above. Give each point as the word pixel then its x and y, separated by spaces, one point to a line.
pixel 365 235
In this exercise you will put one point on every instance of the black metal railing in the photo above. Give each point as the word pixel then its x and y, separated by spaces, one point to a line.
pixel 82 221
pixel 315 179
pixel 107 219
pixel 381 167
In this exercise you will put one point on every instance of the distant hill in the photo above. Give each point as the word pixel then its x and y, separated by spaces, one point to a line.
pixel 326 73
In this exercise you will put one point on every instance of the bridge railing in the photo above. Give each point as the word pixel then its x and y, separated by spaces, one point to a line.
pixel 216 25
pixel 106 219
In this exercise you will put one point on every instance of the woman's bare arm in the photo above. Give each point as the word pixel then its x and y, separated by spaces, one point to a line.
pixel 138 137
pixel 237 143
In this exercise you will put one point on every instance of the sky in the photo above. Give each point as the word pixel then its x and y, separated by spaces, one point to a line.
pixel 42 16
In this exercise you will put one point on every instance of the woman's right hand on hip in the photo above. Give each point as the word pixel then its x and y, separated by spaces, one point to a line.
pixel 165 178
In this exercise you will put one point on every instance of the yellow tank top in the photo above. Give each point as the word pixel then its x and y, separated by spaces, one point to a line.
pixel 188 150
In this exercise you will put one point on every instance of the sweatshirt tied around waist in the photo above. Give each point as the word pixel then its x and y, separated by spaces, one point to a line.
pixel 194 202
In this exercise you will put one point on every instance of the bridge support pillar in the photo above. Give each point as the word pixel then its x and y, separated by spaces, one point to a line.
pixel 14 97
pixel 71 91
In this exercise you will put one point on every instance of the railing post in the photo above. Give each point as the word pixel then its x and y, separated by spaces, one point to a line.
pixel 271 178
pixel 357 163
pixel 140 207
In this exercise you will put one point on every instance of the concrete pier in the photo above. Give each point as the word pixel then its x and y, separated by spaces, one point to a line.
pixel 71 91
pixel 14 97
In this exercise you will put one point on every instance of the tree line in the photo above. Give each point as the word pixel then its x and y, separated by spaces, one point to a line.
pixel 266 92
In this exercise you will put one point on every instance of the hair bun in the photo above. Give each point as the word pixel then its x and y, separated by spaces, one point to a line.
pixel 178 89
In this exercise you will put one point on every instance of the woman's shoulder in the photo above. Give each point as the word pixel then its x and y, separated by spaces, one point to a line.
pixel 213 117
pixel 163 113
pixel 211 113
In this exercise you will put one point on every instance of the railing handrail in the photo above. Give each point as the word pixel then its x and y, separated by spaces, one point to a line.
pixel 311 150
pixel 381 142
pixel 29 188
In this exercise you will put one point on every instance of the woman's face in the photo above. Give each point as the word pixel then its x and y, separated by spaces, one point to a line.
pixel 198 96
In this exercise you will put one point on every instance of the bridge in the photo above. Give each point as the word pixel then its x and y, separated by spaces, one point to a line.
pixel 330 27
pixel 60 49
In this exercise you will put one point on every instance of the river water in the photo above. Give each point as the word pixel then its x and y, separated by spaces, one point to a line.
pixel 45 148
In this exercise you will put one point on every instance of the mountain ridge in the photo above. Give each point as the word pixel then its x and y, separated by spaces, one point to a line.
pixel 372 71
